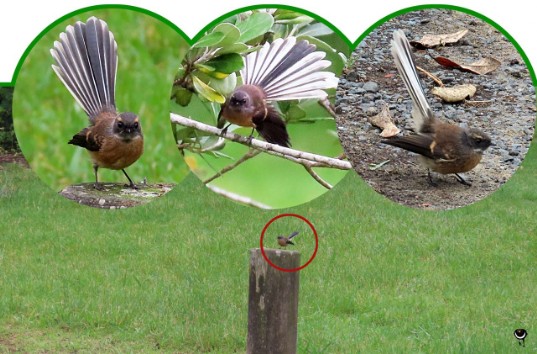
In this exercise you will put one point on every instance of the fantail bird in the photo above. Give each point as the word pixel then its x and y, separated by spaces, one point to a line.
pixel 284 241
pixel 282 70
pixel 444 148
pixel 520 334
pixel 86 62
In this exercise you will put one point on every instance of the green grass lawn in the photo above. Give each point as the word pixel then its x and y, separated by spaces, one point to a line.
pixel 172 275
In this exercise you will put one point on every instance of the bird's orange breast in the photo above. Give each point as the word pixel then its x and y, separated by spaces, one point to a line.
pixel 117 154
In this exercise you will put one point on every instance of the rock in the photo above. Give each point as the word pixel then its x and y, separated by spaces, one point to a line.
pixel 371 86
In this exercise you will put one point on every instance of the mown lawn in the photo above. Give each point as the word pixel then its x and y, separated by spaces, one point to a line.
pixel 172 275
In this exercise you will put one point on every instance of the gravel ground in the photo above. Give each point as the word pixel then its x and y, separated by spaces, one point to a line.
pixel 507 115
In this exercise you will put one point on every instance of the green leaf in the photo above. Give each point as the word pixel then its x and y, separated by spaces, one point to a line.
pixel 211 143
pixel 315 30
pixel 234 48
pixel 283 14
pixel 291 17
pixel 180 74
pixel 296 21
pixel 183 134
pixel 206 91
pixel 224 86
pixel 209 40
pixel 225 64
pixel 182 95
pixel 338 63
pixel 204 68
pixel 295 112
pixel 231 33
pixel 254 26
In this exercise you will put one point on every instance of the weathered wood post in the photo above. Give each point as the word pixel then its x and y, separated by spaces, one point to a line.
pixel 273 302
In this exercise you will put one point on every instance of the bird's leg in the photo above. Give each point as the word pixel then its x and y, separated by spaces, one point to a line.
pixel 131 184
pixel 224 129
pixel 96 185
pixel 462 180
pixel 430 179
pixel 251 136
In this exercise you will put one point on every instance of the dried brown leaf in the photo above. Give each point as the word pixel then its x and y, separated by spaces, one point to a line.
pixel 384 121
pixel 480 67
pixel 455 93
pixel 435 40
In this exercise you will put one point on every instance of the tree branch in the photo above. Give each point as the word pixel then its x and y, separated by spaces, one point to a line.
pixel 238 198
pixel 302 157
pixel 251 153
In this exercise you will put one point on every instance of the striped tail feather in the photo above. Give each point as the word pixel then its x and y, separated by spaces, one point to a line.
pixel 293 235
pixel 86 63
pixel 287 70
pixel 421 111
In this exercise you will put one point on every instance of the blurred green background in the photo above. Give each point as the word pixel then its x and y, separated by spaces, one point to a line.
pixel 46 116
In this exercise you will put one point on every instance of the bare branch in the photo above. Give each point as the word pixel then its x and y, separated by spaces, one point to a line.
pixel 276 150
pixel 251 153
pixel 325 103
pixel 316 177
pixel 238 198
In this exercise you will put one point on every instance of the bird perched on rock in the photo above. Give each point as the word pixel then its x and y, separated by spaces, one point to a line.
pixel 86 62
pixel 283 70
pixel 443 148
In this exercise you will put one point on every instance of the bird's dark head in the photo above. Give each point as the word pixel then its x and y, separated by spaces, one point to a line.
pixel 127 126
pixel 240 99
pixel 478 140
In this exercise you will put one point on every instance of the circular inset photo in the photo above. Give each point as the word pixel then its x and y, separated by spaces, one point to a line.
pixel 437 109
pixel 90 106
pixel 252 107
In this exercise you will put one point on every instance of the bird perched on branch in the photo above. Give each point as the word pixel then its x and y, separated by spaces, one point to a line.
pixel 444 148
pixel 285 69
pixel 86 62
pixel 284 241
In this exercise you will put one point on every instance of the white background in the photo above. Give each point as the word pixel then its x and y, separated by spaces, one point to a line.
pixel 22 21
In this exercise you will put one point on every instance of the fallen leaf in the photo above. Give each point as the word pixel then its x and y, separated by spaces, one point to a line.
pixel 384 121
pixel 455 93
pixel 480 67
pixel 434 40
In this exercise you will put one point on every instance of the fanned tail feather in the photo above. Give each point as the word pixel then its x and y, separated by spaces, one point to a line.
pixel 421 111
pixel 86 62
pixel 287 70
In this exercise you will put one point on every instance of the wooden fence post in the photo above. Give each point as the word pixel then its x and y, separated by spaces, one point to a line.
pixel 273 303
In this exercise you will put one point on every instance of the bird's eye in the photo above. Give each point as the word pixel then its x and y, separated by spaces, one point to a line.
pixel 135 125
pixel 120 125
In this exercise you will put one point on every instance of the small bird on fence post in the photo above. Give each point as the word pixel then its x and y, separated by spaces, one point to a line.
pixel 284 241
pixel 520 334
